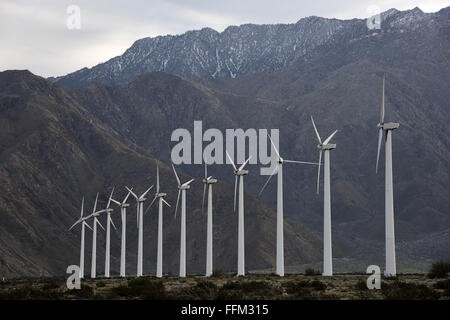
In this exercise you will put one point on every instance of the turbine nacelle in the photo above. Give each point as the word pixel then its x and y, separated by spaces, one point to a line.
pixel 241 172
pixel 388 126
pixel 329 146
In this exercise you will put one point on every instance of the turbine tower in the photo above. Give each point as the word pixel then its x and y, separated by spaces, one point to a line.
pixel 83 225
pixel 241 245
pixel 280 238
pixel 208 183
pixel 95 214
pixel 108 235
pixel 160 196
pixel 182 189
pixel 391 269
pixel 123 212
pixel 140 225
pixel 325 147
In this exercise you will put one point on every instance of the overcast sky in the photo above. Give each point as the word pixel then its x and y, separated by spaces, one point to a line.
pixel 34 33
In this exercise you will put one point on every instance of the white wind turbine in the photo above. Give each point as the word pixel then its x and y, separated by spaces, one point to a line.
pixel 241 245
pixel 83 225
pixel 391 269
pixel 123 212
pixel 208 183
pixel 325 147
pixel 280 238
pixel 95 214
pixel 140 224
pixel 109 221
pixel 182 189
pixel 160 196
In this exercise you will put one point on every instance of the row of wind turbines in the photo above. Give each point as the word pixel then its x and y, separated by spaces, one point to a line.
pixel 324 147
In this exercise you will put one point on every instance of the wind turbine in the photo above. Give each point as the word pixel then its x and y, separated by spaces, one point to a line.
pixel 280 237
pixel 182 189
pixel 140 224
pixel 325 147
pixel 208 183
pixel 109 221
pixel 95 214
pixel 160 196
pixel 123 212
pixel 388 127
pixel 83 225
pixel 241 246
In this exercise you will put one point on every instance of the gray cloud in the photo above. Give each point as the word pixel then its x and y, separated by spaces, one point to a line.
pixel 34 36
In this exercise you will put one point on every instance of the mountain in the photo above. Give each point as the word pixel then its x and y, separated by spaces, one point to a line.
pixel 55 151
pixel 238 50
pixel 123 124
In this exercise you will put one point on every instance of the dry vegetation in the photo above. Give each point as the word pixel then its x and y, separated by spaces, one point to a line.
pixel 229 287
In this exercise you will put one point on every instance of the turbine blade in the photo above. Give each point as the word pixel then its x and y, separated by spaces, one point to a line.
pixel 301 162
pixel 126 198
pixel 229 158
pixel 176 175
pixel 317 132
pixel 97 221
pixel 157 179
pixel 131 191
pixel 380 136
pixel 112 223
pixel 188 183
pixel 273 144
pixel 318 171
pixel 137 215
pixel 77 222
pixel 95 203
pixel 235 190
pixel 383 102
pixel 330 137
pixel 206 170
pixel 245 163
pixel 265 184
pixel 115 201
pixel 146 191
pixel 176 207
pixel 203 199
pixel 166 202
pixel 110 197
pixel 87 225
pixel 148 208
pixel 82 208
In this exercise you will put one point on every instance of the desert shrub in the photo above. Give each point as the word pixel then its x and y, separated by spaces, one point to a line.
pixel 85 292
pixel 318 285
pixel 142 288
pixel 439 269
pixel 311 272
pixel 52 284
pixel 250 288
pixel 293 287
pixel 445 285
pixel 218 273
pixel 407 291
pixel 361 285
pixel 203 290
pixel 28 292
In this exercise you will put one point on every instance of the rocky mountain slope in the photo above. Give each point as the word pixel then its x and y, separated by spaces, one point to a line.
pixel 55 151
pixel 120 130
